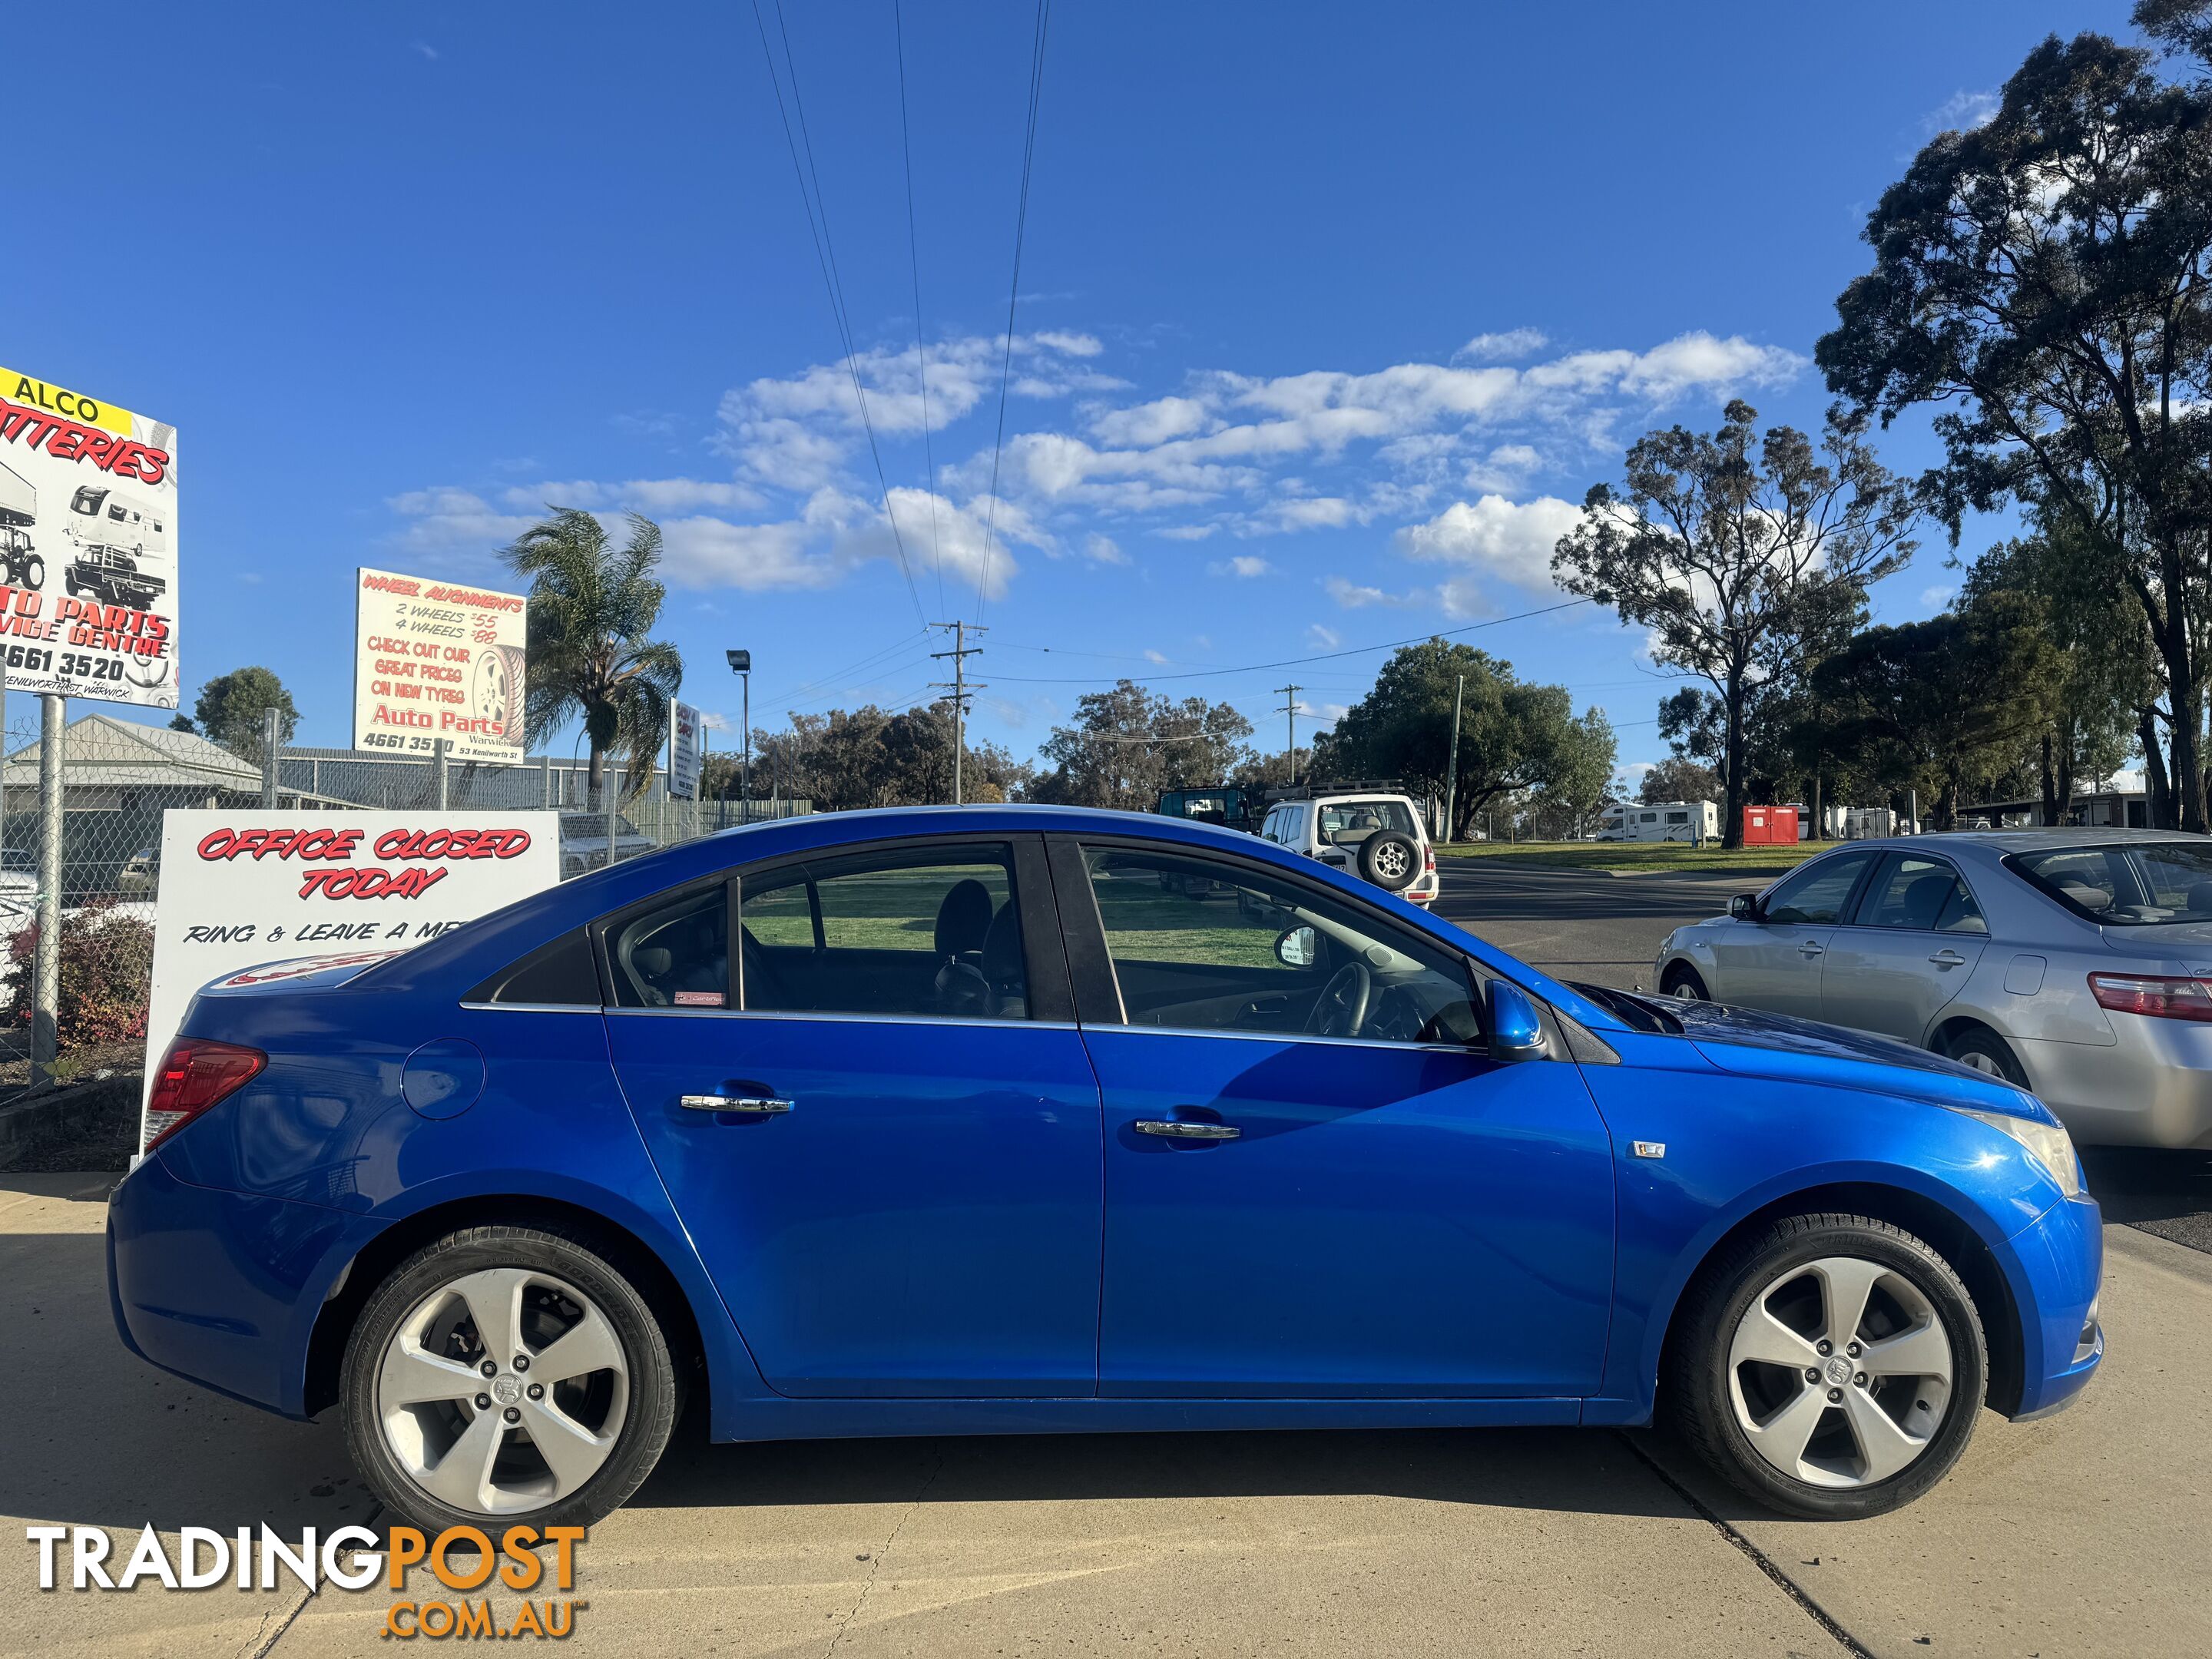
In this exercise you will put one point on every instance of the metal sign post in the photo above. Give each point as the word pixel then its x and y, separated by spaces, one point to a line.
pixel 47 960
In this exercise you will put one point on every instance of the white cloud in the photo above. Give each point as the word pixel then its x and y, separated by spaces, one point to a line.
pixel 1323 639
pixel 1103 549
pixel 1244 565
pixel 1936 598
pixel 1150 423
pixel 1358 597
pixel 1156 656
pixel 1503 347
pixel 443 519
pixel 1504 538
pixel 651 496
pixel 1187 532
pixel 1964 111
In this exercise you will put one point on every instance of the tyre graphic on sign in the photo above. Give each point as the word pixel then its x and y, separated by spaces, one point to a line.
pixel 495 695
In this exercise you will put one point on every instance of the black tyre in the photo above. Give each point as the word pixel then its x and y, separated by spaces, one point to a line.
pixel 1391 860
pixel 33 574
pixel 1681 980
pixel 1986 1051
pixel 506 1374
pixel 1830 1366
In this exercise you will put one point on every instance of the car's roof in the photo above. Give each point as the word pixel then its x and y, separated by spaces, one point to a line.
pixel 2024 841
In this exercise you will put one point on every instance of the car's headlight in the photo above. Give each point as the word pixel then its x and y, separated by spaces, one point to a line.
pixel 2048 1143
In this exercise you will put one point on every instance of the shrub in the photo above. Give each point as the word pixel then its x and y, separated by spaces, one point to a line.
pixel 106 976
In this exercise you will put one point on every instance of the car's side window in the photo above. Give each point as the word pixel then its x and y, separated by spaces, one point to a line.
pixel 931 931
pixel 1924 894
pixel 1201 945
pixel 1816 895
pixel 674 953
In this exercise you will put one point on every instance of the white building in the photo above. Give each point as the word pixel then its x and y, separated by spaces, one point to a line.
pixel 1664 820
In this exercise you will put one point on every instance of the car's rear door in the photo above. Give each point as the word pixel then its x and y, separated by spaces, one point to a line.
pixel 1290 1213
pixel 882 1131
pixel 1907 948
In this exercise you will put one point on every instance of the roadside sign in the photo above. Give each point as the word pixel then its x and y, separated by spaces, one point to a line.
pixel 685 730
pixel 438 659
pixel 88 547
pixel 243 889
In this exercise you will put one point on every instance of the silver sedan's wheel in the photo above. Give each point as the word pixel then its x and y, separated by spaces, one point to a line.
pixel 502 1391
pixel 1840 1372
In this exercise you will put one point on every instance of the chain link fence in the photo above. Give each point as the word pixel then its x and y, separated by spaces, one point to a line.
pixel 117 777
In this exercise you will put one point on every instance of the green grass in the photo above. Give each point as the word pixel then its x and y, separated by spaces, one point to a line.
pixel 1675 858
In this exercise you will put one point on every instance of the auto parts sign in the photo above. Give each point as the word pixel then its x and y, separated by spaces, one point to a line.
pixel 87 546
pixel 438 659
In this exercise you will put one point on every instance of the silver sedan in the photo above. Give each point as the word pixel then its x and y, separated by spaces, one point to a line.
pixel 2074 963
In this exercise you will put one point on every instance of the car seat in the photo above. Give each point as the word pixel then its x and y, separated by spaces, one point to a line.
pixel 963 923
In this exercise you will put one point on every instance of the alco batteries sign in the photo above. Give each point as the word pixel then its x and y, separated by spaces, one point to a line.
pixel 87 546
pixel 437 660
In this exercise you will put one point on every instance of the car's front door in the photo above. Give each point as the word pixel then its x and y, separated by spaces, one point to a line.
pixel 1774 962
pixel 1908 948
pixel 1318 1184
pixel 882 1131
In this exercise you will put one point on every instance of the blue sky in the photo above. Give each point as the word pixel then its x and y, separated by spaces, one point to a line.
pixel 1326 314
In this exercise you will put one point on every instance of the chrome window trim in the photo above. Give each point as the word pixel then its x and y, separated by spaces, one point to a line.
pixel 532 1007
pixel 842 1018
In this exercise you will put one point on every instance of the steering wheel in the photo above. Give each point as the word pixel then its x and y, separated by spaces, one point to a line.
pixel 1341 1008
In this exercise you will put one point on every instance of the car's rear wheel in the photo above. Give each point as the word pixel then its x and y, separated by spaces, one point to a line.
pixel 1830 1366
pixel 1681 980
pixel 506 1373
pixel 1987 1053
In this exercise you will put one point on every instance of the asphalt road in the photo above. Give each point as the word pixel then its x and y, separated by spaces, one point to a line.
pixel 1579 924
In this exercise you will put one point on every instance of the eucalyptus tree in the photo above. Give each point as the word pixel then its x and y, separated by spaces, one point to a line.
pixel 1739 553
pixel 2040 283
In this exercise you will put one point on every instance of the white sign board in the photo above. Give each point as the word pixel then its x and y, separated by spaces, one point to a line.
pixel 685 731
pixel 87 546
pixel 239 890
pixel 437 660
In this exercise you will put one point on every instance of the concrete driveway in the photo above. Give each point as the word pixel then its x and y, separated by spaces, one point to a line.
pixel 2082 1535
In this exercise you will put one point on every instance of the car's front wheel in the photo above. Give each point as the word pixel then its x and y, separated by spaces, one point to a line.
pixel 1681 980
pixel 509 1373
pixel 1830 1366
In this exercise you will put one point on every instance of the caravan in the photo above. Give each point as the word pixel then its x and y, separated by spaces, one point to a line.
pixel 1693 821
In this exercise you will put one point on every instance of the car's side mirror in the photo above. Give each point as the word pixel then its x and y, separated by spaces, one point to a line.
pixel 1298 946
pixel 1744 907
pixel 1516 1032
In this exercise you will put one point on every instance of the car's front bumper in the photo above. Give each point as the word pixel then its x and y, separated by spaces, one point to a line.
pixel 2061 1262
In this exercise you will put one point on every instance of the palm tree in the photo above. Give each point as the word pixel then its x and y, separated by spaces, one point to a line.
pixel 593 607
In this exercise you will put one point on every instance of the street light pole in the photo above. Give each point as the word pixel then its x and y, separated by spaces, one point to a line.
pixel 1451 762
pixel 741 664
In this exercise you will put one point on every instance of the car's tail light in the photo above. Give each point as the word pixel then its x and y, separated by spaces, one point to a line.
pixel 195 1074
pixel 1429 859
pixel 2160 996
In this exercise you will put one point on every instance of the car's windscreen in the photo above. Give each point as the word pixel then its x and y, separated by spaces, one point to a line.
pixel 2129 885
pixel 1347 823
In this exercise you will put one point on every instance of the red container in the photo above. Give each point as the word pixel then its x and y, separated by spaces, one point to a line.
pixel 1769 826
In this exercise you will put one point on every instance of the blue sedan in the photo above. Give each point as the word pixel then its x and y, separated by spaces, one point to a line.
pixel 1017 1120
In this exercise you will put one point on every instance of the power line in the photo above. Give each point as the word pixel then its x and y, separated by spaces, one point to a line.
pixel 792 694
pixel 1295 662
pixel 921 351
pixel 825 255
pixel 1007 364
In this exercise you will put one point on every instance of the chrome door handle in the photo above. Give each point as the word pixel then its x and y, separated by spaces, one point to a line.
pixel 1948 958
pixel 1145 1125
pixel 1812 948
pixel 762 1103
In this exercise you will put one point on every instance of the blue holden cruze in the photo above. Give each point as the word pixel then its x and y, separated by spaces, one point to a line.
pixel 1016 1120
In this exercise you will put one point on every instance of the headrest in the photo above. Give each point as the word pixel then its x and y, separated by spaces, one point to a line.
pixel 964 918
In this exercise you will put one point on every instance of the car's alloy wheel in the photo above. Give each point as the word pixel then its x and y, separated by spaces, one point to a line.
pixel 1687 986
pixel 1830 1365
pixel 502 1390
pixel 1840 1372
pixel 507 1371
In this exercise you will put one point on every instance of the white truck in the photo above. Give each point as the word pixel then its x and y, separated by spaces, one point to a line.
pixel 20 563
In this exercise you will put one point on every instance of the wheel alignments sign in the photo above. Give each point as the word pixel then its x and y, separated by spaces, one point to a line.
pixel 437 660
pixel 87 546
